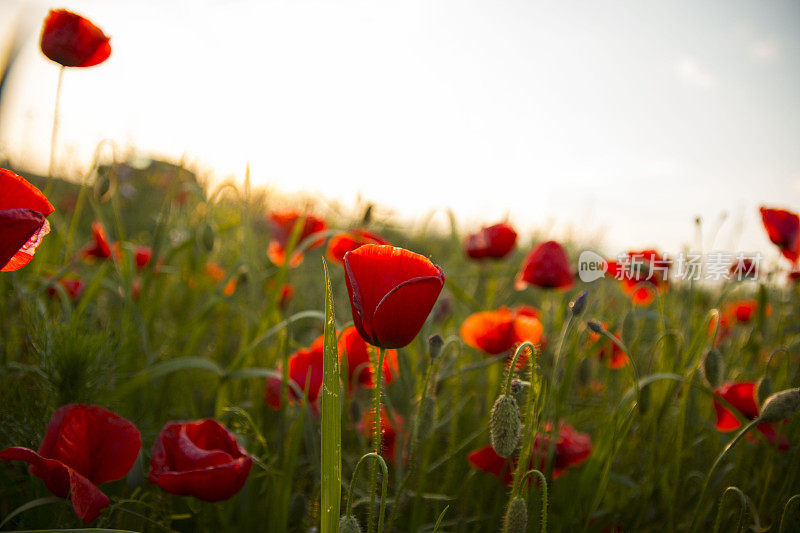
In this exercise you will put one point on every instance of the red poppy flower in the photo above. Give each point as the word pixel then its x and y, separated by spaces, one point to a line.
pixel 84 446
pixel 305 366
pixel 794 276
pixel 359 368
pixel 282 224
pixel 141 255
pixel 500 331
pixel 492 241
pixel 388 432
pixel 739 312
pixel 783 228
pixel 73 41
pixel 546 266
pixel 200 459
pixel 743 269
pixel 99 247
pixel 608 351
pixel 348 241
pixel 572 449
pixel 72 285
pixel 391 291
pixel 643 274
pixel 742 397
pixel 23 222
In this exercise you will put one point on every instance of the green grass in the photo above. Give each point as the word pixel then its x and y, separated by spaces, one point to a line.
pixel 184 350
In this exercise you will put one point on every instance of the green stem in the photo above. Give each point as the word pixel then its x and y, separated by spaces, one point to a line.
pixel 510 377
pixel 555 389
pixel 742 508
pixel 349 509
pixel 376 434
pixel 793 499
pixel 543 481
pixel 720 457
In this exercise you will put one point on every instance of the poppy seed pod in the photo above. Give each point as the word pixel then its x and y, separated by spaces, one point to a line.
pixel 578 305
pixel 712 367
pixel 516 519
pixel 349 524
pixel 781 405
pixel 504 425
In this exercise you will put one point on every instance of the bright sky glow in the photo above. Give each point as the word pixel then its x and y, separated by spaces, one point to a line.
pixel 609 119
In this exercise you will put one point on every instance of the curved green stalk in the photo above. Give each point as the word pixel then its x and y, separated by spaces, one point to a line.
pixel 742 508
pixel 349 508
pixel 543 481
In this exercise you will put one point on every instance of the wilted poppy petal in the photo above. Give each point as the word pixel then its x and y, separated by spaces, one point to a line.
pixel 73 41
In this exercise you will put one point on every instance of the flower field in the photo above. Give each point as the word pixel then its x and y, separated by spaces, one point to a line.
pixel 181 356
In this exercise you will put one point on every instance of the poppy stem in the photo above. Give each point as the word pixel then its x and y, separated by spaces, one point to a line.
pixel 742 508
pixel 543 481
pixel 54 134
pixel 714 466
pixel 527 345
pixel 377 356
pixel 349 508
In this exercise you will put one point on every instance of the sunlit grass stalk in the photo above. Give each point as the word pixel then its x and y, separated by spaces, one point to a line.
pixel 720 457
pixel 332 422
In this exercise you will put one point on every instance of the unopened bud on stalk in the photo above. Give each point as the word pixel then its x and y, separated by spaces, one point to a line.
pixel 780 405
pixel 504 425
pixel 712 367
pixel 435 345
pixel 427 417
pixel 516 519
pixel 516 386
pixel 349 524
pixel 578 305
pixel 764 389
pixel 595 326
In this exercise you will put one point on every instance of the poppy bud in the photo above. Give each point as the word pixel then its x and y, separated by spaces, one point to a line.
pixel 427 417
pixel 516 519
pixel 435 345
pixel 578 305
pixel 764 389
pixel 207 237
pixel 595 327
pixel 712 367
pixel 781 405
pixel 504 425
pixel 349 524
pixel 516 386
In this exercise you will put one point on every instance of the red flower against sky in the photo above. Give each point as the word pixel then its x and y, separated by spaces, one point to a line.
pixel 743 268
pixel 84 446
pixel 99 246
pixel 23 222
pixel 783 228
pixel 391 292
pixel 546 266
pixel 742 397
pixel 348 241
pixel 643 274
pixel 282 224
pixel 201 459
pixel 389 433
pixel 355 351
pixel 305 365
pixel 492 241
pixel 500 331
pixel 608 351
pixel 73 41
pixel 572 449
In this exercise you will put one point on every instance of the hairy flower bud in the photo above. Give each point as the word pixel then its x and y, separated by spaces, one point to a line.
pixel 516 519
pixel 712 367
pixel 349 524
pixel 595 326
pixel 504 425
pixel 780 405
pixel 578 305
pixel 435 345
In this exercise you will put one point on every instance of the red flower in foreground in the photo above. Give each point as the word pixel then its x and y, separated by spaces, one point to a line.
pixel 492 241
pixel 305 366
pixel 282 224
pixel 84 446
pixel 783 228
pixel 388 432
pixel 355 351
pixel 200 459
pixel 99 246
pixel 643 274
pixel 348 241
pixel 73 41
pixel 23 222
pixel 391 291
pixel 608 351
pixel 500 331
pixel 572 449
pixel 742 397
pixel 546 266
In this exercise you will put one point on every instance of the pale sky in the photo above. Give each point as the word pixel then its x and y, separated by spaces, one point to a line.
pixel 618 119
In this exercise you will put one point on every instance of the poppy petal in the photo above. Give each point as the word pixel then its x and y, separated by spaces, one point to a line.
pixel 73 41
pixel 21 231
pixel 19 194
pixel 402 312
